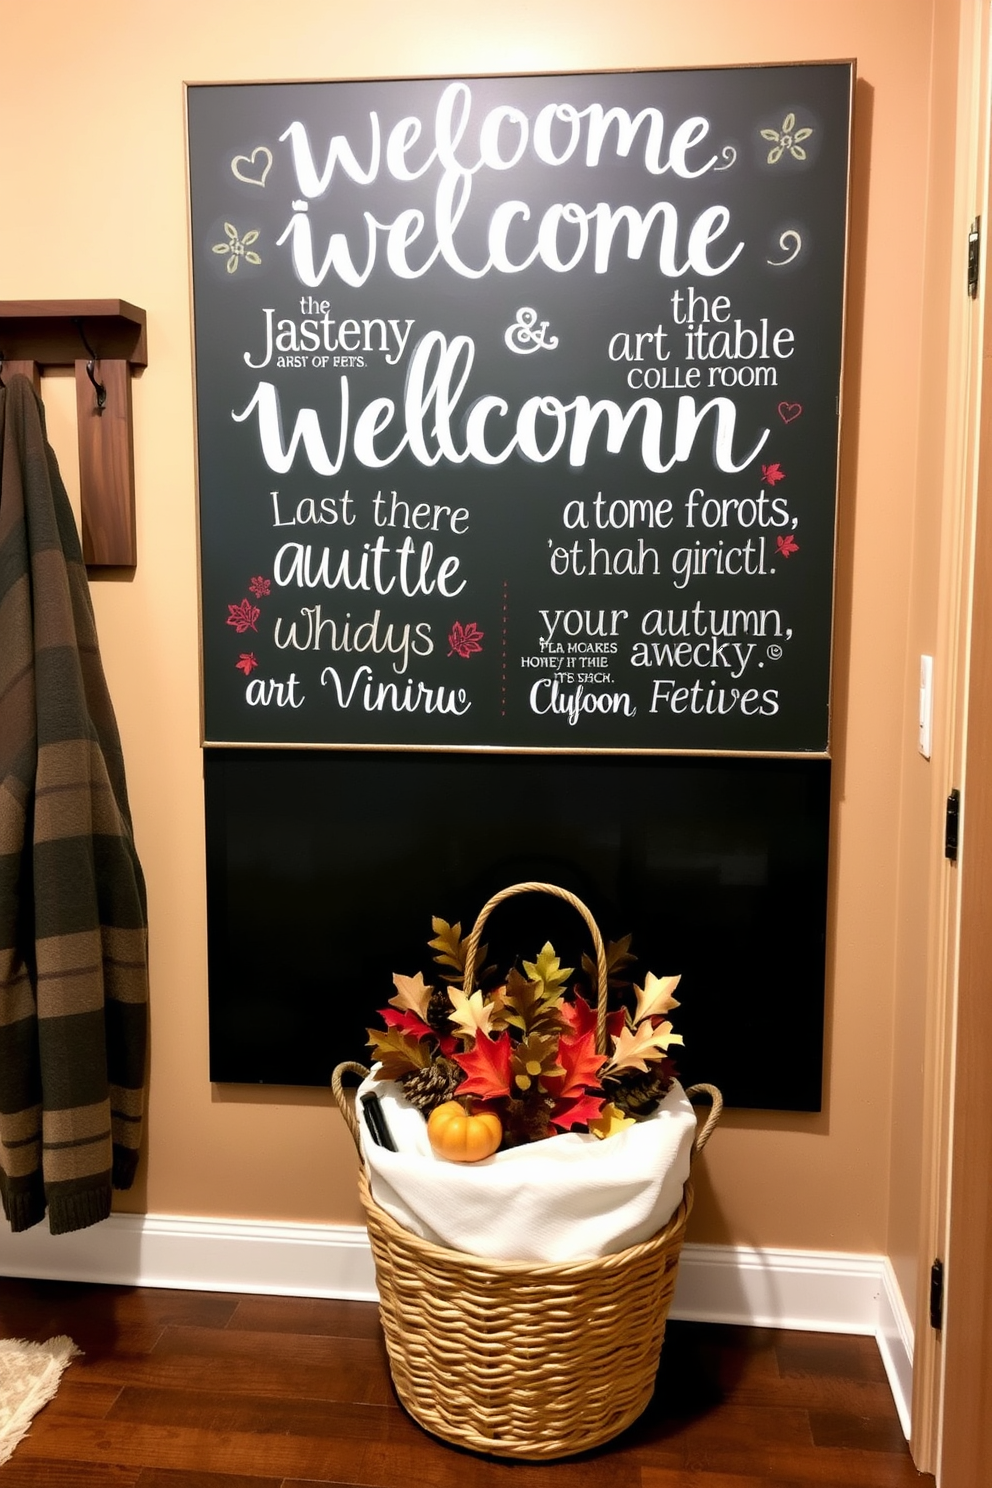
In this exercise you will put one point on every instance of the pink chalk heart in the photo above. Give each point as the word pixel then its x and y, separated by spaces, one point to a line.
pixel 789 411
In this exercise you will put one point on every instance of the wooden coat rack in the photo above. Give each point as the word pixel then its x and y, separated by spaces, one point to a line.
pixel 102 340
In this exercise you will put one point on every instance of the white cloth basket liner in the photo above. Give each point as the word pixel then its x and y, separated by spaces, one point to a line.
pixel 569 1197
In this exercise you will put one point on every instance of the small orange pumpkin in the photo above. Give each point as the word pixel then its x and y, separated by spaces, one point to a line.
pixel 463 1136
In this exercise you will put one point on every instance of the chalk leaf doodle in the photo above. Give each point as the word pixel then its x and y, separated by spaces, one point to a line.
pixel 243 616
pixel 787 140
pixel 260 587
pixel 247 662
pixel 772 474
pixel 239 248
pixel 789 411
pixel 465 639
pixel 255 174
pixel 787 545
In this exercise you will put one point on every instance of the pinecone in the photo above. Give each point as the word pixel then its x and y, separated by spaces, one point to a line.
pixel 639 1093
pixel 439 1010
pixel 432 1086
pixel 527 1118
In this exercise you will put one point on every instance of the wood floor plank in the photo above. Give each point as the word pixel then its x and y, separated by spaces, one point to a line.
pixel 812 1467
pixel 840 1354
pixel 260 1365
pixel 167 1477
pixel 327 1317
pixel 217 1410
pixel 105 1319
pixel 24 1472
pixel 82 1398
pixel 845 1429
pixel 723 1425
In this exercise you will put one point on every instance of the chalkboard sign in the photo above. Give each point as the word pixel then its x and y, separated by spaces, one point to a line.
pixel 518 405
pixel 325 867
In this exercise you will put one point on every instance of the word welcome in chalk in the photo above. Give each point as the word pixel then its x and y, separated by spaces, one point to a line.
pixel 540 429
pixel 565 232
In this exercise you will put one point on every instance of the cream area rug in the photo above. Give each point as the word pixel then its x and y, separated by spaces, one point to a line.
pixel 29 1377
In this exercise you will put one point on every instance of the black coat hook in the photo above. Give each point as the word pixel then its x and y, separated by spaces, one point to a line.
pixel 101 391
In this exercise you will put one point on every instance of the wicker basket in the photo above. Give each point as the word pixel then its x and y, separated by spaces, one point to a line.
pixel 515 1359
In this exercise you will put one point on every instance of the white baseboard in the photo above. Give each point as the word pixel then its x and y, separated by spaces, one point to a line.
pixel 825 1291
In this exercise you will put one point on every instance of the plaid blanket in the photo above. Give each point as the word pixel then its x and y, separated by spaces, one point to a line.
pixel 73 921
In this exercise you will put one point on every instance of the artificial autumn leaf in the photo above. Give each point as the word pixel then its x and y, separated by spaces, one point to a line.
pixel 634 1047
pixel 397 1053
pixel 487 1066
pixel 548 971
pixel 610 1121
pixel 412 994
pixel 407 1021
pixel 465 639
pixel 578 1110
pixel 452 949
pixel 579 1059
pixel 471 1015
pixel 580 1016
pixel 247 662
pixel 528 1007
pixel 535 1058
pixel 655 997
pixel 618 956
pixel 243 616
pixel 770 474
pixel 787 545
pixel 449 944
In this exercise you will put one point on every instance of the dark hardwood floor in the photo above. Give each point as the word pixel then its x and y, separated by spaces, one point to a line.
pixel 206 1390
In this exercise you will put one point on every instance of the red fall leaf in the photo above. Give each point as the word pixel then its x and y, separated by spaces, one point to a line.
pixel 243 616
pixel 772 473
pixel 787 545
pixel 260 587
pixel 465 638
pixel 577 1111
pixel 407 1021
pixel 247 662
pixel 487 1066
pixel 581 1017
pixel 578 1058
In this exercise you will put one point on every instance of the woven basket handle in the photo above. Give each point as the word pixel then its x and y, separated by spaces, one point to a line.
pixel 704 1133
pixel 472 945
pixel 344 1105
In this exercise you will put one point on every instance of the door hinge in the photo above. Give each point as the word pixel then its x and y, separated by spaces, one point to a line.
pixel 937 1295
pixel 974 255
pixel 952 822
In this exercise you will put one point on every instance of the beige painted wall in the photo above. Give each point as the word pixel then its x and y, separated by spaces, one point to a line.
pixel 92 185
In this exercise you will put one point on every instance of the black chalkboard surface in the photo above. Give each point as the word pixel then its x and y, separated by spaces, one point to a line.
pixel 325 867
pixel 517 405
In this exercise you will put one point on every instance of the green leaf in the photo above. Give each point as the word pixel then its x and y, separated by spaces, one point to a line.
pixel 548 971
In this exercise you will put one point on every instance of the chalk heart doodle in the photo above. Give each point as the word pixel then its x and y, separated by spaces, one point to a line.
pixel 247 167
pixel 789 411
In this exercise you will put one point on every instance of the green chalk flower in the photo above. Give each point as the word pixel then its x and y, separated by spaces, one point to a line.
pixel 238 248
pixel 787 139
